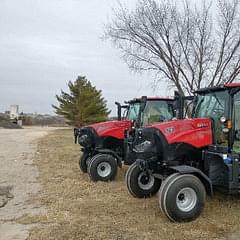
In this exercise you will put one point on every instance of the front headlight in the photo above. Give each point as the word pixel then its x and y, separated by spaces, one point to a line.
pixel 142 147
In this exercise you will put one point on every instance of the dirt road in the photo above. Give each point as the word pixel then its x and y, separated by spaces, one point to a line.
pixel 18 179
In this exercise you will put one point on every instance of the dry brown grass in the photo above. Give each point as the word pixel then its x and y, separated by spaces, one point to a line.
pixel 81 209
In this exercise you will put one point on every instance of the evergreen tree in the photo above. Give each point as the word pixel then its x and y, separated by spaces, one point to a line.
pixel 83 105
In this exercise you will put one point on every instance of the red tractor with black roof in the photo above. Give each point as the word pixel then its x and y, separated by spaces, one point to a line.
pixel 105 144
pixel 190 158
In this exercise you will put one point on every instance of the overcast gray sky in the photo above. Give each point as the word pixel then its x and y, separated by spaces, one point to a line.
pixel 44 44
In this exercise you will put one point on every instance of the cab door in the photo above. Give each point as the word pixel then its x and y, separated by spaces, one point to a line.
pixel 236 123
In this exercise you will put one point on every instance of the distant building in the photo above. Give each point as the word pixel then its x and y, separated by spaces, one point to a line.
pixel 14 112
pixel 14 115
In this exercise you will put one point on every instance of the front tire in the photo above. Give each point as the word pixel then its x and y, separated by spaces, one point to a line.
pixel 83 162
pixel 183 198
pixel 163 187
pixel 141 184
pixel 102 167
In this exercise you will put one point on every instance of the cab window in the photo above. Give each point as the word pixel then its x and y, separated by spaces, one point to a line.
pixel 213 105
pixel 133 111
pixel 157 111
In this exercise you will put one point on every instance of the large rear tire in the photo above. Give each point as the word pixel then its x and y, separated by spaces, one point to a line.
pixel 83 162
pixel 183 198
pixel 141 184
pixel 102 167
pixel 216 170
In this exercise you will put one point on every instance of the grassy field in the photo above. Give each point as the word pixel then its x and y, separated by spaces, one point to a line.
pixel 80 209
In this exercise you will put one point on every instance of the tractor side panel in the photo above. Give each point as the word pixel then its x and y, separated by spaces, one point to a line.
pixel 113 129
pixel 195 132
pixel 198 138
pixel 117 132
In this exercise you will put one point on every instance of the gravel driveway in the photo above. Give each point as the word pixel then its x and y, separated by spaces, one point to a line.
pixel 18 178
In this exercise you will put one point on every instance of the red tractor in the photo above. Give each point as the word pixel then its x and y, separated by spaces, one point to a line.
pixel 190 158
pixel 105 146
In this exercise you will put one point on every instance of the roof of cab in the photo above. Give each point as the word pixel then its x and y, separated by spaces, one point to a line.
pixel 151 99
pixel 218 88
pixel 231 85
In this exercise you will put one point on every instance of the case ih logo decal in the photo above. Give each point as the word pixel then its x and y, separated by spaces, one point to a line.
pixel 169 130
pixel 202 125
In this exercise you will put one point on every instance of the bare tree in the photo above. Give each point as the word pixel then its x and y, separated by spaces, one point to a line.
pixel 189 46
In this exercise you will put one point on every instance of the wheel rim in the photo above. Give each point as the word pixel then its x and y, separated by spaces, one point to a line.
pixel 104 169
pixel 186 199
pixel 145 181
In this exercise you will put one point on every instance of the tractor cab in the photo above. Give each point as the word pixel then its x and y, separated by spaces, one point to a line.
pixel 222 106
pixel 221 158
pixel 148 110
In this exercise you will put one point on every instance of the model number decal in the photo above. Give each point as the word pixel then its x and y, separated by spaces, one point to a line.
pixel 202 125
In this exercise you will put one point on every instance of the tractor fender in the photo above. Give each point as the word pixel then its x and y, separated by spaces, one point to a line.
pixel 114 154
pixel 184 169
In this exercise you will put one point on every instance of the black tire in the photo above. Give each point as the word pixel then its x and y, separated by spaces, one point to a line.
pixel 178 209
pixel 163 188
pixel 83 161
pixel 216 170
pixel 102 167
pixel 126 179
pixel 140 184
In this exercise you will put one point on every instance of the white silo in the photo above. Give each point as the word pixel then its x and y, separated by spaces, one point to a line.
pixel 14 111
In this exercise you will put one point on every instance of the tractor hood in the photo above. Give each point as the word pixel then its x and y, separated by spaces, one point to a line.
pixel 111 128
pixel 196 132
